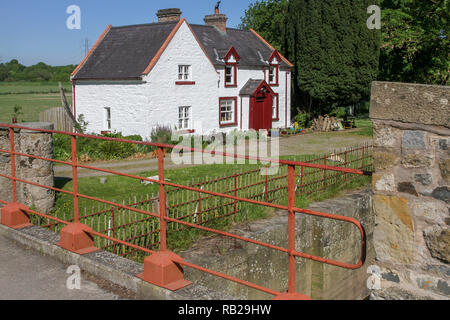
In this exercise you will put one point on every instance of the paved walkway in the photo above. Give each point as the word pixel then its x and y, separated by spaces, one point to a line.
pixel 25 274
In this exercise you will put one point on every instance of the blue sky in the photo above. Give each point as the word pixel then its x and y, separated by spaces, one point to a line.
pixel 35 30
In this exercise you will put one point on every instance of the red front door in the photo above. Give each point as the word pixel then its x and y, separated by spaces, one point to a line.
pixel 261 111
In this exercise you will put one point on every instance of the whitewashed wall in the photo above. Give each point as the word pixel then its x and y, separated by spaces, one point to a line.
pixel 137 106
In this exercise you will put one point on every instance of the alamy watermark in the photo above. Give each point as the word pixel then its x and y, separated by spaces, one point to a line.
pixel 73 22
pixel 374 21
pixel 236 147
pixel 74 281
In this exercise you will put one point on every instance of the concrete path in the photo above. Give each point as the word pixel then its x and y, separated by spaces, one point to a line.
pixel 25 274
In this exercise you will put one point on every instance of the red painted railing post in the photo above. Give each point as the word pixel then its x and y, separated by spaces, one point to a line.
pixel 76 237
pixel 162 202
pixel 13 165
pixel 291 227
pixel 325 174
pixel 292 293
pixel 163 268
pixel 76 211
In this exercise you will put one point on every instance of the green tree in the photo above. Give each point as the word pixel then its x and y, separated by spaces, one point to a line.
pixel 415 37
pixel 335 55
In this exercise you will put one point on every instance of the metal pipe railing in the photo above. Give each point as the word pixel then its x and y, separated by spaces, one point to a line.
pixel 162 215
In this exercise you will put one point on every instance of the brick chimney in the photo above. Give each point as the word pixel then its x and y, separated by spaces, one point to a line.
pixel 217 20
pixel 169 15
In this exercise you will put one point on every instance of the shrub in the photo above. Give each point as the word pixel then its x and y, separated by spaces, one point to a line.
pixel 302 118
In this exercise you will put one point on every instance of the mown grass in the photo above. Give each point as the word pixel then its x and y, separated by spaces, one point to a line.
pixel 33 97
pixel 28 87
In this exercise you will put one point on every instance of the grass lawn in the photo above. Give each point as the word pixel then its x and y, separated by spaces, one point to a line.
pixel 33 97
pixel 28 87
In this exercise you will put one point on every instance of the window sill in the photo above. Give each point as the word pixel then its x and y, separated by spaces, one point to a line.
pixel 185 83
pixel 186 131
pixel 274 84
pixel 225 125
pixel 230 85
pixel 276 120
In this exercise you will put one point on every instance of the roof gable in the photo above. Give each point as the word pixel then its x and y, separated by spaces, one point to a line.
pixel 125 52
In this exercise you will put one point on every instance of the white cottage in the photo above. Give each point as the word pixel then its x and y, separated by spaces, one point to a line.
pixel 196 78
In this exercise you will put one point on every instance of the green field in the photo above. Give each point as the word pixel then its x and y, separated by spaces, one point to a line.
pixel 33 97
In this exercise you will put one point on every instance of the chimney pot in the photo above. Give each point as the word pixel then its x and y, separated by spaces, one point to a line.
pixel 169 15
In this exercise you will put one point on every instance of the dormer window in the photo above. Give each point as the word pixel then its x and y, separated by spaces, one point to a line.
pixel 274 69
pixel 231 61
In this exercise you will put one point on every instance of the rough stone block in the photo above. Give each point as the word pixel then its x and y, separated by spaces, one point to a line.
pixel 383 183
pixel 386 136
pixel 383 160
pixel 418 160
pixel 441 193
pixel 394 235
pixel 438 242
pixel 407 187
pixel 445 170
pixel 424 178
pixel 413 140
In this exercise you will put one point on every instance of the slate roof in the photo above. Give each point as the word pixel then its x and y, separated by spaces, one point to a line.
pixel 249 88
pixel 125 52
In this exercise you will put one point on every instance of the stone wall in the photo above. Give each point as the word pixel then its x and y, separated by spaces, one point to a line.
pixel 39 171
pixel 269 268
pixel 411 189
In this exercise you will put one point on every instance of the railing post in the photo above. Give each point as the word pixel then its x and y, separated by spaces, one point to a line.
pixel 291 227
pixel 14 215
pixel 76 237
pixel 162 202
pixel 292 293
pixel 325 173
pixel 76 211
pixel 114 228
pixel 160 268
pixel 13 165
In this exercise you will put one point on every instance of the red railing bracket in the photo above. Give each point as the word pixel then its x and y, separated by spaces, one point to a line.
pixel 15 216
pixel 291 296
pixel 161 270
pixel 76 237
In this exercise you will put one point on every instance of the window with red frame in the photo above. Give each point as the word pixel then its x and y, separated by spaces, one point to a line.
pixel 227 111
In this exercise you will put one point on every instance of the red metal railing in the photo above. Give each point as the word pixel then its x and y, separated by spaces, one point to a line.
pixel 164 219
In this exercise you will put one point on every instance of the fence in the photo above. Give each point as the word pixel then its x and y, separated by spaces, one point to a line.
pixel 59 118
pixel 157 220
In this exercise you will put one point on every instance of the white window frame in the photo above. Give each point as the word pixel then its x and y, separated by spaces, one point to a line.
pixel 108 125
pixel 184 117
pixel 184 72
